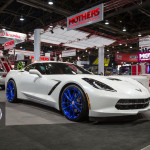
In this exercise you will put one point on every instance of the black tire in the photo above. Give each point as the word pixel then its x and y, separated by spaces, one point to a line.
pixel 83 115
pixel 13 99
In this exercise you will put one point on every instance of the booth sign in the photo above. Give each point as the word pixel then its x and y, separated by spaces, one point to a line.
pixel 89 16
pixel 9 45
pixel 144 57
pixel 13 35
pixel 69 53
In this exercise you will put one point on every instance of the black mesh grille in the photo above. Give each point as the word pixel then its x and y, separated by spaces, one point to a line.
pixel 126 104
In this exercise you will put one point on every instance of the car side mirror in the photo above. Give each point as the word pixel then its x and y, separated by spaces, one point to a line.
pixel 34 71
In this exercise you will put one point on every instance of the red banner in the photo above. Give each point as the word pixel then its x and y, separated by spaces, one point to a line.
pixel 9 44
pixel 41 58
pixel 122 57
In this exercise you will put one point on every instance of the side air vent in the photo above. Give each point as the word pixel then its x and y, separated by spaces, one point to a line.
pixel 114 79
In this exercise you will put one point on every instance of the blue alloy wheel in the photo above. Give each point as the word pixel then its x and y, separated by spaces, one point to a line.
pixel 11 91
pixel 72 102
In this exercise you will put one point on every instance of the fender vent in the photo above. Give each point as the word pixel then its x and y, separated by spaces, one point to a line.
pixel 114 79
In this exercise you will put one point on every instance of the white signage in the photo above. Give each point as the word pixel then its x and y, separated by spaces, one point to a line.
pixel 13 35
pixel 144 44
pixel 69 53
pixel 144 57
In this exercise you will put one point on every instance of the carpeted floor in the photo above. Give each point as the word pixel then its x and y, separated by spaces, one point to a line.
pixel 80 136
pixel 35 127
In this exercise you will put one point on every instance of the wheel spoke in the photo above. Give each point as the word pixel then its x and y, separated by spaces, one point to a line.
pixel 73 113
pixel 63 103
pixel 76 97
pixel 78 103
pixel 77 108
pixel 73 94
pixel 69 93
pixel 67 97
pixel 67 107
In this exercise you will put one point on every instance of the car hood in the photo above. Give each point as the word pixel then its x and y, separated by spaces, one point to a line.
pixel 123 85
pixel 120 84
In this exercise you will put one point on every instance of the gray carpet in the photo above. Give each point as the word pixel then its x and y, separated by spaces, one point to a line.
pixel 81 136
pixel 57 133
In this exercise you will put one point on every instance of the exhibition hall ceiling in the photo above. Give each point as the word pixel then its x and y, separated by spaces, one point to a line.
pixel 122 19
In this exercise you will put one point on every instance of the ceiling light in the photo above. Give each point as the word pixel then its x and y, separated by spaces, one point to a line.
pixel 51 46
pixel 86 51
pixel 126 45
pixel 21 18
pixel 21 47
pixel 106 22
pixel 120 21
pixel 50 2
pixel 130 46
pixel 139 34
pixel 3 29
pixel 108 50
pixel 117 51
pixel 120 44
pixel 124 29
pixel 51 26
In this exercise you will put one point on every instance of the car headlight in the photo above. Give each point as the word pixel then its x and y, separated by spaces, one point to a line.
pixel 99 85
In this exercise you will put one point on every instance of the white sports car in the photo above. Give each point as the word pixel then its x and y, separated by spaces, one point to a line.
pixel 76 92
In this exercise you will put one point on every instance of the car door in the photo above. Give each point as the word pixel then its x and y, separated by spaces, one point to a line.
pixel 33 84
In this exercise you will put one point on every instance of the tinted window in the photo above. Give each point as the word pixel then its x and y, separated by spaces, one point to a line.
pixel 32 66
pixel 59 68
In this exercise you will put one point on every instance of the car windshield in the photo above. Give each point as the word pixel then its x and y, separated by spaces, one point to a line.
pixel 60 68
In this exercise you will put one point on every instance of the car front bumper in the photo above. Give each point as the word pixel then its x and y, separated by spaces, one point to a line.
pixel 104 104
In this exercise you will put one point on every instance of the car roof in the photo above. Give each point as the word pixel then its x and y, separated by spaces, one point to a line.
pixel 51 62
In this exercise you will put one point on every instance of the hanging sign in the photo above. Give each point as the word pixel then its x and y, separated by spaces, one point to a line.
pixel 9 45
pixel 13 35
pixel 41 58
pixel 89 16
pixel 144 57
pixel 69 53
pixel 123 57
pixel 144 44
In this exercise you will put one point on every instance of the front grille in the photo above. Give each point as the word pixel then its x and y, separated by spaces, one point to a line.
pixel 126 104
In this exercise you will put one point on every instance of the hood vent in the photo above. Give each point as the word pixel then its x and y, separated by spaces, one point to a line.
pixel 114 79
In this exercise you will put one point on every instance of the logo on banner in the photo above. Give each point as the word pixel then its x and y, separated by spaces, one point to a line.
pixel 2 33
pixel 86 17
pixel 144 57
pixel 9 45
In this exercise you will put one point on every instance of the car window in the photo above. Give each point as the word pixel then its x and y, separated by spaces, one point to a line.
pixel 32 66
pixel 57 68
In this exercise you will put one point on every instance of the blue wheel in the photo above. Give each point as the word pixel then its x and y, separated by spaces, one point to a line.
pixel 11 91
pixel 74 104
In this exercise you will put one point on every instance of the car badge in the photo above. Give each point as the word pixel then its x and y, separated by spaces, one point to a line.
pixel 139 90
